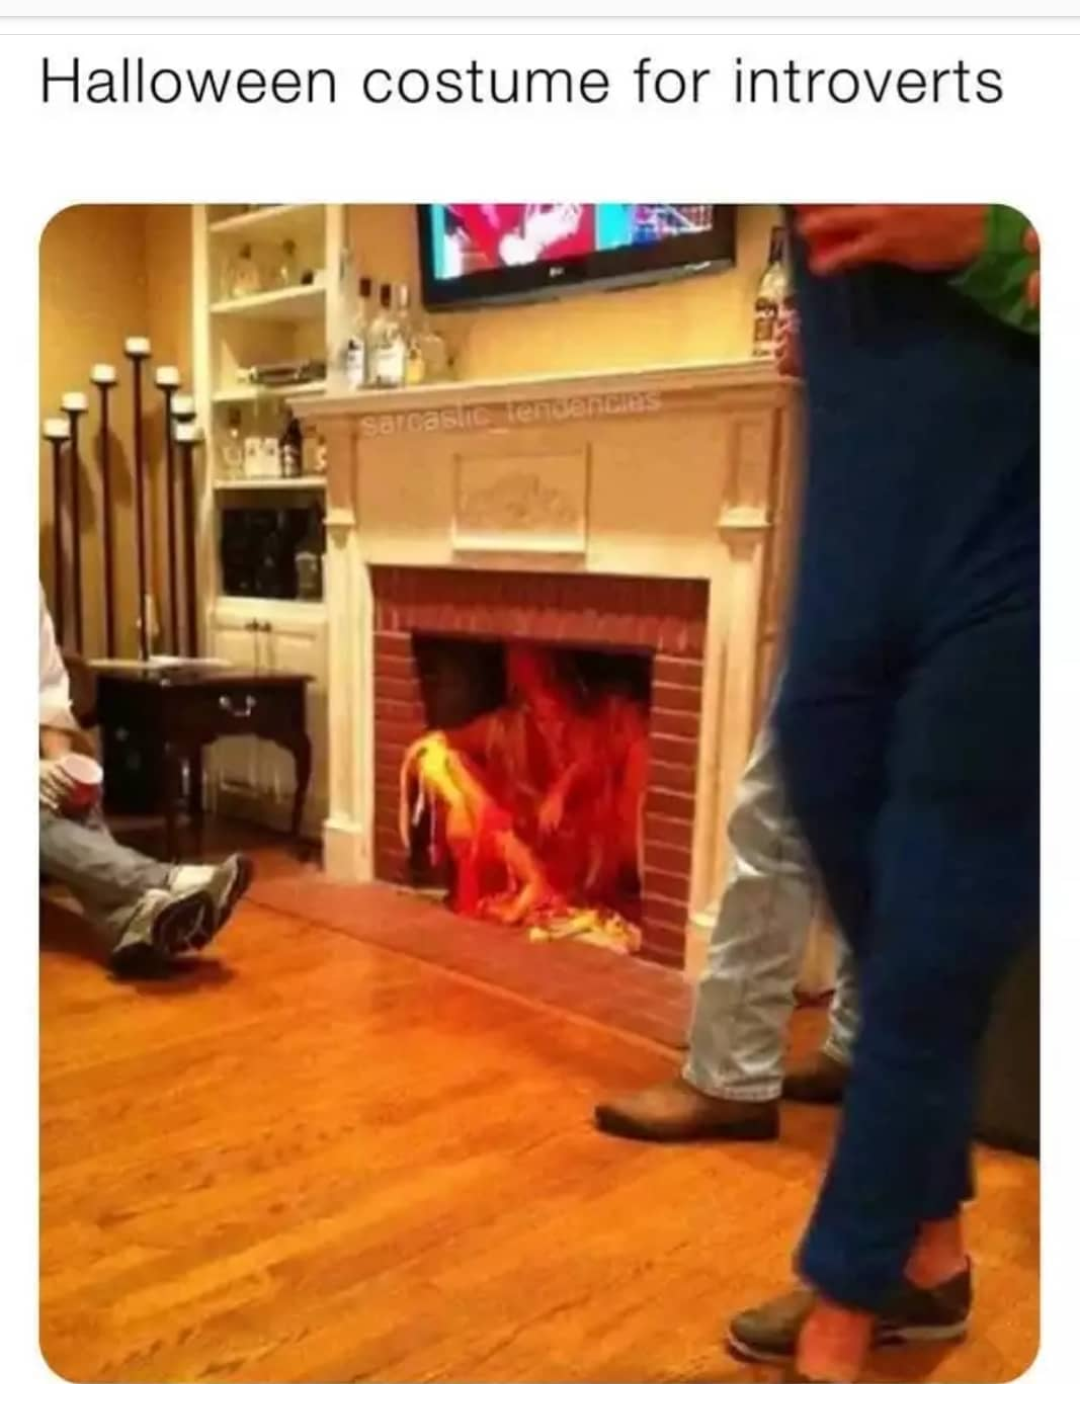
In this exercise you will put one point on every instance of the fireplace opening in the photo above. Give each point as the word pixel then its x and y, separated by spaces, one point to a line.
pixel 524 798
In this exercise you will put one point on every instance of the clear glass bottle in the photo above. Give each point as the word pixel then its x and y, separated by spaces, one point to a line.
pixel 286 272
pixel 409 325
pixel 244 276
pixel 386 345
pixel 773 298
pixel 434 353
pixel 231 446
pixel 357 361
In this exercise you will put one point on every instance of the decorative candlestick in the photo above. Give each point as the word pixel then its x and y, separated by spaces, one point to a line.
pixel 137 351
pixel 103 377
pixel 188 436
pixel 56 432
pixel 75 405
pixel 168 380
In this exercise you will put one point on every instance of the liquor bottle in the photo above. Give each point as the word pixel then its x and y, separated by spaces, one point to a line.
pixel 290 444
pixel 773 298
pixel 386 346
pixel 357 362
pixel 435 355
pixel 244 275
pixel 409 325
pixel 231 446
pixel 286 273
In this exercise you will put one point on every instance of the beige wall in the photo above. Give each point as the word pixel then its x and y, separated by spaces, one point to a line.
pixel 107 272
pixel 706 318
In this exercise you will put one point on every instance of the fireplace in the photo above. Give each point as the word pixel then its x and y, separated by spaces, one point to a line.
pixel 661 621
pixel 642 514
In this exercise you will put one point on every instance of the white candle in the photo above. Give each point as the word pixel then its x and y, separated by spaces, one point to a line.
pixel 104 375
pixel 74 402
pixel 56 429
pixel 167 376
pixel 137 345
pixel 187 432
pixel 183 406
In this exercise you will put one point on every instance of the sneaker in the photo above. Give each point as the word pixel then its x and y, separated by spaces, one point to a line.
pixel 913 1314
pixel 226 884
pixel 164 924
pixel 675 1111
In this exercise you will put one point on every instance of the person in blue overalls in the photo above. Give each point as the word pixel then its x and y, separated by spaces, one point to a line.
pixel 908 727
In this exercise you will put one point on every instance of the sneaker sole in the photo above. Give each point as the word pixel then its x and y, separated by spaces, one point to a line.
pixel 891 1336
pixel 184 925
pixel 245 873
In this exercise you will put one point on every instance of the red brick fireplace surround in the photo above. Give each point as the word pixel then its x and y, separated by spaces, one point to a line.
pixel 662 617
pixel 642 511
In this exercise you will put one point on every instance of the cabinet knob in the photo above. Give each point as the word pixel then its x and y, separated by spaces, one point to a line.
pixel 234 709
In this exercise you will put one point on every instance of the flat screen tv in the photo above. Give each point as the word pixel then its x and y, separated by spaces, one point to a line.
pixel 476 254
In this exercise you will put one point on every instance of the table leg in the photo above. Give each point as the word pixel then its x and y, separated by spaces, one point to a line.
pixel 195 794
pixel 171 780
pixel 299 744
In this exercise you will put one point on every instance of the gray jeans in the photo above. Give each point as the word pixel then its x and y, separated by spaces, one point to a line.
pixel 746 994
pixel 105 877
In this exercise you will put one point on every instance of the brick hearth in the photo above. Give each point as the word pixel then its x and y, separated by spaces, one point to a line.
pixel 663 617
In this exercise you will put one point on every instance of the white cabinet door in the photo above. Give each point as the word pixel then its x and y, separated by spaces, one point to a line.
pixel 232 765
pixel 296 643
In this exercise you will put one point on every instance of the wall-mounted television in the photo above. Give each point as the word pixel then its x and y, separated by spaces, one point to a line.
pixel 479 253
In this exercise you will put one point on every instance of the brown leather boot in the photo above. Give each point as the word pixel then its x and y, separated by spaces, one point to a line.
pixel 675 1111
pixel 820 1082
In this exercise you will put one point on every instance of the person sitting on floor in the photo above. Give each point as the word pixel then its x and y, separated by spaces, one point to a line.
pixel 146 912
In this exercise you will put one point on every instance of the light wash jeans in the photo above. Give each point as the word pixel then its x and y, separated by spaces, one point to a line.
pixel 746 994
pixel 105 877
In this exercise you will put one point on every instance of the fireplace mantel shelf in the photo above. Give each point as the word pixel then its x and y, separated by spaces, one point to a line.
pixel 729 377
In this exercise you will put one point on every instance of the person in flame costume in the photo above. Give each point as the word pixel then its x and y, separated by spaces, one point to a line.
pixel 538 805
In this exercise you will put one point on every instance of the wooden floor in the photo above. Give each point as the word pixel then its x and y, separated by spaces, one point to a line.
pixel 314 1160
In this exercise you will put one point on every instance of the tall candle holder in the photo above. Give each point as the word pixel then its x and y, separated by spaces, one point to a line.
pixel 137 351
pixel 75 405
pixel 188 436
pixel 167 379
pixel 56 432
pixel 103 377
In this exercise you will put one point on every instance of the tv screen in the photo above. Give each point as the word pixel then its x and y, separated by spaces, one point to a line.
pixel 475 253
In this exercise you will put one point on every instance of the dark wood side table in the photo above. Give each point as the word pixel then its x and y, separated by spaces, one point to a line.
pixel 154 719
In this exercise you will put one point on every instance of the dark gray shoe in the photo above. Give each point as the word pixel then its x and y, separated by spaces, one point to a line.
pixel 164 924
pixel 770 1333
pixel 228 885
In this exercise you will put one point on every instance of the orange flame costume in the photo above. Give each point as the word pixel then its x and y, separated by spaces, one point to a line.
pixel 538 804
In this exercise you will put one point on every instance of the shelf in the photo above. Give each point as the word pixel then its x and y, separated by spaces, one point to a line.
pixel 255 392
pixel 270 222
pixel 301 302
pixel 272 484
pixel 304 609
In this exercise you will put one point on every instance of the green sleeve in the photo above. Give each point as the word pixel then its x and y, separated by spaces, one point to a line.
pixel 998 279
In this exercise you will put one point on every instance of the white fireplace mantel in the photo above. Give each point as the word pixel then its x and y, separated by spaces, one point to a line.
pixel 679 472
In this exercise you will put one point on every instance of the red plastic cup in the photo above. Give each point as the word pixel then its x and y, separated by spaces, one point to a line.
pixel 87 777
